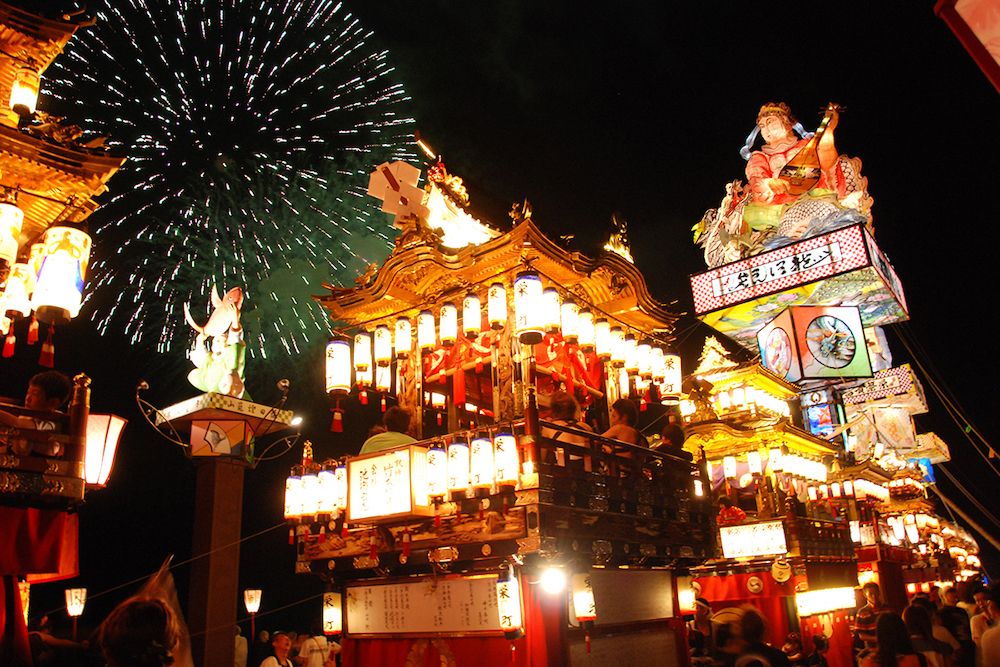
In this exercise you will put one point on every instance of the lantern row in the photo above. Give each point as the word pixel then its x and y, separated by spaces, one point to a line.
pixel 778 461
pixel 51 281
pixel 537 311
pixel 480 463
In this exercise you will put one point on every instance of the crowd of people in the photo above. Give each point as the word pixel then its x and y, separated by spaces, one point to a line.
pixel 945 628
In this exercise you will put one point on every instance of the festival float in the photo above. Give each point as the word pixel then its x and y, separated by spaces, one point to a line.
pixel 814 440
pixel 489 539
pixel 49 177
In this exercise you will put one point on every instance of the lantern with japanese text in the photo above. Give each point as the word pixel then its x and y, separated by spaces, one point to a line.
pixel 425 331
pixel 496 306
pixel 528 309
pixel 449 324
pixel 481 462
pixel 333 614
pixel 458 466
pixel 506 459
pixel 509 605
pixel 293 494
pixel 383 345
pixel 471 316
pixel 670 389
pixel 437 471
pixel 338 365
pixel 404 337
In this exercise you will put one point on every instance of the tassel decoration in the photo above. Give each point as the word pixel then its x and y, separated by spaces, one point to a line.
pixel 8 345
pixel 48 356
pixel 33 331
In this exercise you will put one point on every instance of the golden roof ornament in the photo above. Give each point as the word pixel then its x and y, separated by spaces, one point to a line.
pixel 618 241
pixel 713 357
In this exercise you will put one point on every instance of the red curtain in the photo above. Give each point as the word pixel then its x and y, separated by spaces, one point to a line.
pixel 38 542
pixel 14 650
pixel 837 628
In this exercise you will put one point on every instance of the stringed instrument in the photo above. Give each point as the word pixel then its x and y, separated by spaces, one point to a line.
pixel 803 171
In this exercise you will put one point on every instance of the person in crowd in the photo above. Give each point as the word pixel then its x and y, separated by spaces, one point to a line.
pixel 991 647
pixel 730 512
pixel 701 630
pixel 938 631
pixel 672 439
pixel 47 649
pixel 281 646
pixel 894 646
pixel 140 632
pixel 260 649
pixel 866 620
pixel 987 616
pixel 821 646
pixel 967 597
pixel 316 648
pixel 240 650
pixel 753 629
pixel 793 649
pixel 565 411
pixel 397 423
pixel 624 417
pixel 919 625
pixel 956 621
pixel 729 644
pixel 47 392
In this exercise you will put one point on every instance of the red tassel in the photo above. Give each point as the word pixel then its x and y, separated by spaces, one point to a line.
pixel 588 642
pixel 8 346
pixel 33 331
pixel 642 403
pixel 322 533
pixel 383 404
pixel 343 532
pixel 363 396
pixel 291 536
pixel 479 365
pixel 338 422
pixel 439 418
pixel 437 515
pixel 406 543
pixel 47 358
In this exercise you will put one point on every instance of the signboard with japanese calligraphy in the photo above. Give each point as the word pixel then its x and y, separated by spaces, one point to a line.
pixel 457 605
pixel 753 539
pixel 814 343
pixel 260 419
pixel 842 268
pixel 892 387
pixel 388 485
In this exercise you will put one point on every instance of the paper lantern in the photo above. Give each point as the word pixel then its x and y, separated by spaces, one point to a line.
pixel 338 365
pixel 449 324
pixel 293 494
pixel 505 459
pixel 426 338
pixel 848 488
pixel 670 389
pixel 644 351
pixel 11 219
pixel 327 489
pixel 333 614
pixel 251 598
pixel 103 433
pixel 729 466
pixel 631 355
pixel 472 316
pixel 362 352
pixel 63 266
pixel 383 345
pixel 16 296
pixel 496 306
pixel 310 491
pixel 774 460
pixel 551 310
pixel 754 462
pixel 509 605
pixel 481 462
pixel 602 339
pixel 458 465
pixel 588 342
pixel 76 598
pixel 583 598
pixel 835 489
pixel 617 347
pixel 437 471
pixel 570 314
pixel 24 91
pixel 404 337
pixel 340 487
pixel 814 343
pixel 528 311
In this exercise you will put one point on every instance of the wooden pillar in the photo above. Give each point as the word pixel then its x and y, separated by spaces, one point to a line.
pixel 214 595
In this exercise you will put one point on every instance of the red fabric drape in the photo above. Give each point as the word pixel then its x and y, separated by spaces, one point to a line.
pixel 433 652
pixel 34 541
pixel 837 628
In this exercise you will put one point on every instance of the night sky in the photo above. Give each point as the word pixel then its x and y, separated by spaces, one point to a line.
pixel 640 110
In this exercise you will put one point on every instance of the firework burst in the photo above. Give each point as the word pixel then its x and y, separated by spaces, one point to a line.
pixel 249 132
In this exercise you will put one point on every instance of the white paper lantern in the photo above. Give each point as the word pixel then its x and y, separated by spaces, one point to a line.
pixel 528 310
pixel 588 341
pixel 333 614
pixel 404 337
pixel 570 321
pixel 617 335
pixel 496 306
pixel 437 471
pixel 458 465
pixel 506 459
pixel 602 339
pixel 362 351
pixel 11 219
pixel 449 324
pixel 472 316
pixel 551 309
pixel 62 269
pixel 383 345
pixel 338 365
pixel 481 462
pixel 426 336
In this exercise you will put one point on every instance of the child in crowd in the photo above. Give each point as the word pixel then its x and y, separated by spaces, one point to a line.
pixel 47 392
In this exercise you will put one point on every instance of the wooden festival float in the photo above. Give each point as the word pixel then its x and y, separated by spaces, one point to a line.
pixel 834 488
pixel 486 541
